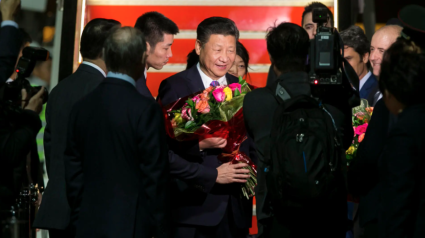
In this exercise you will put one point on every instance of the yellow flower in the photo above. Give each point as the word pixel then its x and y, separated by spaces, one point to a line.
pixel 228 93
pixel 350 150
pixel 178 118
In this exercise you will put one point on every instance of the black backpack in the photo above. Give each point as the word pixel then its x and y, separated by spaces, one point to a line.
pixel 305 154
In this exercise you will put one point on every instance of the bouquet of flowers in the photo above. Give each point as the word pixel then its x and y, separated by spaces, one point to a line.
pixel 361 117
pixel 214 112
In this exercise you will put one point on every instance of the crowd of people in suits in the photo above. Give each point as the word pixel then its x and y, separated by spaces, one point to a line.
pixel 114 172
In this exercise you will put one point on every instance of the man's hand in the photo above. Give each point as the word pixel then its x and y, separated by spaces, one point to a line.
pixel 232 173
pixel 35 103
pixel 212 143
pixel 8 8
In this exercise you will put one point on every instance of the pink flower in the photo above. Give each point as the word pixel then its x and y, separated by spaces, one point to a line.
pixel 235 86
pixel 361 129
pixel 196 99
pixel 219 95
pixel 187 114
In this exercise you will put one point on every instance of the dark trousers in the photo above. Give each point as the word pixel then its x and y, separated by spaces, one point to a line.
pixel 67 233
pixel 225 229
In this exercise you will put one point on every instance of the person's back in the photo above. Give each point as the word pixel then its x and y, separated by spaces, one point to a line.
pixel 116 161
pixel 259 108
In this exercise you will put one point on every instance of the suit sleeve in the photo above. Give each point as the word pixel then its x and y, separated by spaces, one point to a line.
pixel 155 167
pixel 398 170
pixel 47 140
pixel 73 170
pixel 10 45
pixel 180 167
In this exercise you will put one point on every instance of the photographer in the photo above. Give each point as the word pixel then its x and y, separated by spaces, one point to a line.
pixel 10 39
pixel 18 152
pixel 287 45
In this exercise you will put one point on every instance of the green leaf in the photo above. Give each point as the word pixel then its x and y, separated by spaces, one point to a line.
pixel 241 80
pixel 237 93
pixel 188 124
pixel 190 102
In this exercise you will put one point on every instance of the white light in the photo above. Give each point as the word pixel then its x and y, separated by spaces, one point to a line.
pixel 83 15
pixel 336 14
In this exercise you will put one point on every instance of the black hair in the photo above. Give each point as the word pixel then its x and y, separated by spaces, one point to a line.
pixel 313 5
pixel 154 25
pixel 355 38
pixel 403 72
pixel 216 25
pixel 193 58
pixel 94 36
pixel 288 46
pixel 124 50
pixel 26 38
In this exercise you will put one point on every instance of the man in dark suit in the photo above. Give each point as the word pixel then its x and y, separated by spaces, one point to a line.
pixel 10 39
pixel 207 200
pixel 116 161
pixel 362 175
pixel 159 33
pixel 287 45
pixel 54 213
pixel 356 52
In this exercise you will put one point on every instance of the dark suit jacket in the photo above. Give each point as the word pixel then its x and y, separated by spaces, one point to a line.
pixel 369 89
pixel 116 164
pixel 197 199
pixel 402 177
pixel 10 45
pixel 363 177
pixel 54 211
pixel 259 106
pixel 142 88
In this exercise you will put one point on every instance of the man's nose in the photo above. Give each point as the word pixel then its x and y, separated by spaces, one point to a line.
pixel 372 56
pixel 169 53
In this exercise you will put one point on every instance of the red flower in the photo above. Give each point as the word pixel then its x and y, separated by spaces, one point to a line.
pixel 361 129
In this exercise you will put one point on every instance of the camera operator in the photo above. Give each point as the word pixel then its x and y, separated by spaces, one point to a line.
pixel 287 45
pixel 10 39
pixel 18 151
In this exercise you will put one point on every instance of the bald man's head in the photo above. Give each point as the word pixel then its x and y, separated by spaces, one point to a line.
pixel 125 52
pixel 381 41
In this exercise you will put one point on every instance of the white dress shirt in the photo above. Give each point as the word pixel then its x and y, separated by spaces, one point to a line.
pixel 96 67
pixel 207 80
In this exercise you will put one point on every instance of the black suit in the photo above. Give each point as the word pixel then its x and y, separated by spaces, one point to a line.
pixel 259 106
pixel 142 88
pixel 54 211
pixel 402 177
pixel 363 177
pixel 116 164
pixel 198 202
pixel 10 45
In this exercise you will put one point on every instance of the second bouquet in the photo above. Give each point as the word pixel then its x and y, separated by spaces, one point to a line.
pixel 214 112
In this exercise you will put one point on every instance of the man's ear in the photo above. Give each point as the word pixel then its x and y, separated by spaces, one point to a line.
pixel 198 47
pixel 366 58
pixel 148 48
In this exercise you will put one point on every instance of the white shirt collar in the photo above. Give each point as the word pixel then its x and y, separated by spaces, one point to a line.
pixel 364 79
pixel 146 73
pixel 96 67
pixel 207 80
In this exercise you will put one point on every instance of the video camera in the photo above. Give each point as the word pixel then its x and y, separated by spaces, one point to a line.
pixel 12 91
pixel 330 74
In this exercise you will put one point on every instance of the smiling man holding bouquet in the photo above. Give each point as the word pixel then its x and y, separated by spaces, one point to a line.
pixel 207 199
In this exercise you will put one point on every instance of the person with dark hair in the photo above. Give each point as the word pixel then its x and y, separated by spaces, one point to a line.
pixel 54 212
pixel 287 45
pixel 206 192
pixel 401 166
pixel 356 52
pixel 159 33
pixel 307 19
pixel 116 161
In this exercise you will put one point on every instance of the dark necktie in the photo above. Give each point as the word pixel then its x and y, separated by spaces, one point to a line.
pixel 214 83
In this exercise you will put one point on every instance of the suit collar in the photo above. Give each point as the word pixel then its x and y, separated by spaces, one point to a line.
pixel 194 80
pixel 370 82
pixel 90 69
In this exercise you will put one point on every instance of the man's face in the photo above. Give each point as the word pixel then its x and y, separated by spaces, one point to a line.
pixel 356 61
pixel 381 41
pixel 310 26
pixel 216 57
pixel 158 56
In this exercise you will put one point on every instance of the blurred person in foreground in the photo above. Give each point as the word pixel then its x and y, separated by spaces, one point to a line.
pixel 356 52
pixel 287 45
pixel 54 212
pixel 116 160
pixel 158 32
pixel 402 163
